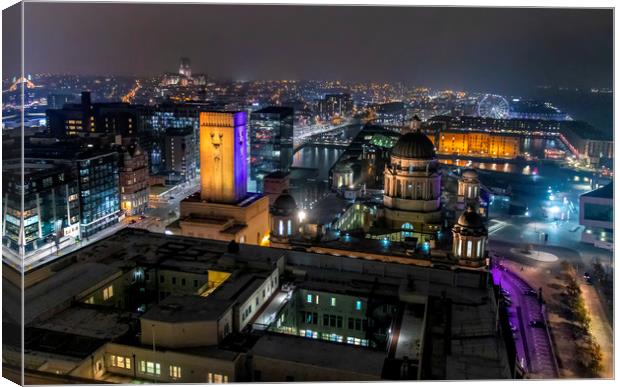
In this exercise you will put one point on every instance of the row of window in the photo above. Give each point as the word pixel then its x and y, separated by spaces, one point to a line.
pixel 332 337
pixel 146 367
pixel 314 299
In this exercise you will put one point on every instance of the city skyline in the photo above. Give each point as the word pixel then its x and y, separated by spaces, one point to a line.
pixel 502 50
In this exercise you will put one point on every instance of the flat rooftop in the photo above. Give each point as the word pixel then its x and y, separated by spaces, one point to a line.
pixel 84 320
pixel 187 308
pixel 320 353
pixel 62 287
pixel 605 192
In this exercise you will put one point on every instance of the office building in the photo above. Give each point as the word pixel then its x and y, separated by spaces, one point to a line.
pixel 181 160
pixel 51 215
pixel 88 119
pixel 271 143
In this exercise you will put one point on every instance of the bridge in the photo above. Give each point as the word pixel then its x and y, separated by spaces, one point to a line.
pixel 323 134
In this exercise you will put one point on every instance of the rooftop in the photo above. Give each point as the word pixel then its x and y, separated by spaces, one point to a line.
pixel 605 192
pixel 320 353
pixel 187 308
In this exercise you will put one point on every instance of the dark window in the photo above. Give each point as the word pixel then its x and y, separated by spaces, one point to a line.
pixel 183 281
pixel 174 280
pixel 351 324
pixel 358 324
pixel 339 321
pixel 325 320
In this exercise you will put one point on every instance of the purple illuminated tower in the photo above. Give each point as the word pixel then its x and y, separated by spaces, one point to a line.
pixel 223 161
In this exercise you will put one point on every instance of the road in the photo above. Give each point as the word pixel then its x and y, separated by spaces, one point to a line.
pixel 534 347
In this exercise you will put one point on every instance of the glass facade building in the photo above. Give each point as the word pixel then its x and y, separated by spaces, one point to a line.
pixel 99 192
pixel 50 211
pixel 271 143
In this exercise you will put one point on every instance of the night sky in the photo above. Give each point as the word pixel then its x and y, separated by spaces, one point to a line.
pixel 477 49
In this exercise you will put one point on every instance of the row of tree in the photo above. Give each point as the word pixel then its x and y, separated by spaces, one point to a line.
pixel 591 355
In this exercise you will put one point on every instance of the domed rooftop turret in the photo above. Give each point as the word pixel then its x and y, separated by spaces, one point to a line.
pixel 284 204
pixel 469 174
pixel 471 220
pixel 414 145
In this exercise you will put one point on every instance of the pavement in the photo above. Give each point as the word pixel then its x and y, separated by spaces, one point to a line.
pixel 534 346
pixel 600 327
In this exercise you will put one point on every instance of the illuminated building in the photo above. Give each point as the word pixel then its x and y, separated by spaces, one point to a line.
pixel 205 305
pixel 223 209
pixel 185 68
pixel 596 214
pixel 478 144
pixel 50 216
pixel 181 160
pixel 332 105
pixel 271 143
pixel 92 119
pixel 468 187
pixel 99 191
pixel 134 179
pixel 412 184
pixel 469 239
pixel 342 176
pixel 391 114
pixel 284 220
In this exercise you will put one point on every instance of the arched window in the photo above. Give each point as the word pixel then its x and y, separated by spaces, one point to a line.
pixel 289 228
pixel 407 230
pixel 469 247
pixel 280 227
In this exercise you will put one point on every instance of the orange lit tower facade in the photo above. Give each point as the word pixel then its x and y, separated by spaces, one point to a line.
pixel 223 156
pixel 223 209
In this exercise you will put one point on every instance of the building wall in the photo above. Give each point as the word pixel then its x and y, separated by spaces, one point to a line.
pixel 255 216
pixel 479 144
pixel 277 370
pixel 181 334
pixel 194 368
pixel 247 308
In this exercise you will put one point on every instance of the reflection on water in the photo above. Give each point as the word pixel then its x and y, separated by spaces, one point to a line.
pixel 316 156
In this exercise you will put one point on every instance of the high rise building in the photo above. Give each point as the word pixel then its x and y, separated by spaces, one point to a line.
pixel 92 119
pixel 223 209
pixel 99 191
pixel 271 143
pixel 180 154
pixel 335 105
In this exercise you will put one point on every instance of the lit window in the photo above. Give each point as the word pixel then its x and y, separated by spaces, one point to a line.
pixel 333 301
pixel 358 305
pixel 149 367
pixel 289 227
pixel 280 227
pixel 108 292
pixel 316 299
pixel 120 361
pixel 175 372
pixel 90 300
pixel 468 248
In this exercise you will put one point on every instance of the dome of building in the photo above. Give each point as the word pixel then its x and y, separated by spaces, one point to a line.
pixel 471 220
pixel 414 145
pixel 470 174
pixel 343 168
pixel 284 203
